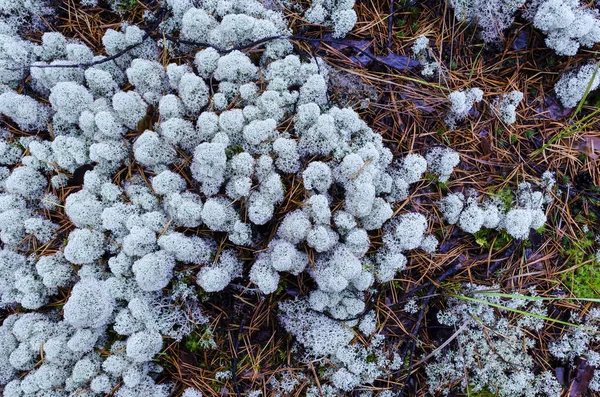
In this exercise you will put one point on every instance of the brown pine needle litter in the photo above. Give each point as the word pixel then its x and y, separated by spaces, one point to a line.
pixel 408 111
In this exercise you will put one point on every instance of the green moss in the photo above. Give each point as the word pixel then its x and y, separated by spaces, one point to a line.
pixel 480 393
pixel 542 230
pixel 397 285
pixel 200 340
pixel 127 5
pixel 505 195
pixel 584 280
pixel 232 151
pixel 490 238
pixel 283 284
pixel 434 178
pixel 453 287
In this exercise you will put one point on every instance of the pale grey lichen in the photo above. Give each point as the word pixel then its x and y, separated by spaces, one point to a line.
pixel 572 86
pixel 567 25
pixel 84 246
pixel 422 53
pixel 25 111
pixel 461 103
pixel 507 106
pixel 339 15
pixel 441 162
pixel 517 219
pixel 492 17
pixel 242 146
pixel 491 361
pixel 90 304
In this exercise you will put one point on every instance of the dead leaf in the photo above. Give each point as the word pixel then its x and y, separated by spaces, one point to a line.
pixel 486 142
pixel 552 109
pixel 583 376
pixel 358 51
pixel 361 54
pixel 590 146
pixel 560 373
pixel 147 122
pixel 522 40
pixel 419 104
pixel 399 62
pixel 341 44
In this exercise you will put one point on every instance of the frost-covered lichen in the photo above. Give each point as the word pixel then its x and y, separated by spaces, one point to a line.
pixel 492 17
pixel 572 86
pixel 482 360
pixel 568 24
pixel 507 106
pixel 146 184
pixel 461 103
pixel 322 336
pixel 338 15
pixel 422 52
pixel 517 218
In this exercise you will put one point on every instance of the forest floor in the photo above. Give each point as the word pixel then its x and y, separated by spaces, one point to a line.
pixel 371 71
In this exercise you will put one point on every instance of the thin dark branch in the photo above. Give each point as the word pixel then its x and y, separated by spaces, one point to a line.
pixel 391 23
pixel 234 359
pixel 149 33
pixel 227 50
pixel 119 54
pixel 450 272
pixel 411 346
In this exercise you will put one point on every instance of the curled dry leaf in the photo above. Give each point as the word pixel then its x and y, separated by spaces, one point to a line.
pixel 522 40
pixel 583 375
pixel 590 146
pixel 552 109
pixel 360 52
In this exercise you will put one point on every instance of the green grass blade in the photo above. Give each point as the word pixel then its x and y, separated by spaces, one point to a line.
pixel 534 298
pixel 587 91
pixel 522 312
pixel 576 127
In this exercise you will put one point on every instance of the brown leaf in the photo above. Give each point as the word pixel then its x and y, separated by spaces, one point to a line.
pixel 590 146
pixel 522 40
pixel 583 376
pixel 398 62
pixel 552 108
pixel 419 104
pixel 486 142
pixel 147 122
pixel 342 44
pixel 360 53
pixel 560 373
